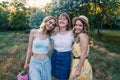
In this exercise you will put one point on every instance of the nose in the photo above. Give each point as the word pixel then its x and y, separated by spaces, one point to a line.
pixel 61 20
pixel 51 25
pixel 77 26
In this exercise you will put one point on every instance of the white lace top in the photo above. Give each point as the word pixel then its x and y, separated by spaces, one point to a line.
pixel 63 43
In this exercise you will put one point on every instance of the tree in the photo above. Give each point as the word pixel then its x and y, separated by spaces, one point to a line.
pixel 106 12
pixel 36 18
pixel 3 16
pixel 18 17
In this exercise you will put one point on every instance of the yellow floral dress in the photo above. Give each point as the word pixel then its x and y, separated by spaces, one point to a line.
pixel 86 72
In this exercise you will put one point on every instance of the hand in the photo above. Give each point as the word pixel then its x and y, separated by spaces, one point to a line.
pixel 87 56
pixel 26 66
pixel 56 29
pixel 77 72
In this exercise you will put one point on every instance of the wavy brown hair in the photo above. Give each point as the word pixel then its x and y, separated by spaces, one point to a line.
pixel 85 23
pixel 68 18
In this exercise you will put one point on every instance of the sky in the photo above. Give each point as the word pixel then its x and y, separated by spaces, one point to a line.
pixel 4 0
pixel 35 3
pixel 38 3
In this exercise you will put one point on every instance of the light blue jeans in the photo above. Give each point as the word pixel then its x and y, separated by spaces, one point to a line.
pixel 40 69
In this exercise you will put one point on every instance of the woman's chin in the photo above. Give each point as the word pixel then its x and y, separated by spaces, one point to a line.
pixel 77 32
pixel 49 29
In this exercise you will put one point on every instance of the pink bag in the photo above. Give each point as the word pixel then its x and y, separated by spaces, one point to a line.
pixel 23 75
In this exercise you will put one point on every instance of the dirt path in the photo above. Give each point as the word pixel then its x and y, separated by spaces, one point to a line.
pixel 103 50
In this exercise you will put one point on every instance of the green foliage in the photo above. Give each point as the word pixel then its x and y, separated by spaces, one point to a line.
pixel 116 24
pixel 18 21
pixel 73 8
pixel 18 18
pixel 3 18
pixel 13 15
pixel 107 11
pixel 36 18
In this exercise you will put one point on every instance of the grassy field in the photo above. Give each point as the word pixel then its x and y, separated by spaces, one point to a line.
pixel 104 54
pixel 13 47
pixel 110 40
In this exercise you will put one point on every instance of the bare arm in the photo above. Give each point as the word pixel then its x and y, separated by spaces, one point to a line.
pixel 84 41
pixel 55 31
pixel 51 47
pixel 29 49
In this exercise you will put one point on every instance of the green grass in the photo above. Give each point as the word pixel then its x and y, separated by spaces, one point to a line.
pixel 105 67
pixel 13 46
pixel 110 39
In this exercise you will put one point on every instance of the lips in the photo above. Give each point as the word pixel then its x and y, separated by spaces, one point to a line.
pixel 77 30
pixel 49 28
pixel 62 24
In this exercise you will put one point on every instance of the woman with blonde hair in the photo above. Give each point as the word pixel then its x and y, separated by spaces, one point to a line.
pixel 38 48
pixel 81 68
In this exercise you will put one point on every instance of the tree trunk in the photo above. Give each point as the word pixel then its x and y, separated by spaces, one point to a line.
pixel 99 28
pixel 102 21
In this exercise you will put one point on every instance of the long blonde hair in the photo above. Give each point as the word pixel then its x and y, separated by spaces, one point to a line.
pixel 43 26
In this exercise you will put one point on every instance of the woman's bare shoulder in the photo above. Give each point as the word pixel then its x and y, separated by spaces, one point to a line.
pixel 83 35
pixel 33 31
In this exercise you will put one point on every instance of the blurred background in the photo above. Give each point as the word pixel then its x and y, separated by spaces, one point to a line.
pixel 18 17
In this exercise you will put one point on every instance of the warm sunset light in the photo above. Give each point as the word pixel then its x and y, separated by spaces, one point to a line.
pixel 38 3
pixel 5 0
pixel 34 3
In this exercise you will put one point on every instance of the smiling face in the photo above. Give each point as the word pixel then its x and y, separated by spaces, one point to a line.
pixel 62 21
pixel 78 27
pixel 50 24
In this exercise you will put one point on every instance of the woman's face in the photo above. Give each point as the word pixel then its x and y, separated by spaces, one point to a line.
pixel 78 26
pixel 50 24
pixel 62 21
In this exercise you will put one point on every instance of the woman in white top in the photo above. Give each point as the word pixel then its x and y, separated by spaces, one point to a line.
pixel 61 57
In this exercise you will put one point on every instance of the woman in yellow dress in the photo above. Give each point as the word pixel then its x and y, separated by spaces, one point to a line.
pixel 81 68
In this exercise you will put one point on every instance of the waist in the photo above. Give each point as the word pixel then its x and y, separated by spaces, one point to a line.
pixel 62 49
pixel 37 60
pixel 40 51
pixel 40 56
pixel 74 57
pixel 78 57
